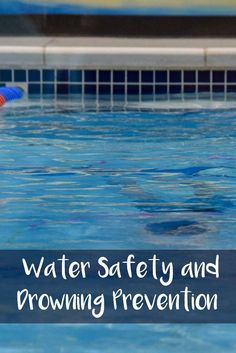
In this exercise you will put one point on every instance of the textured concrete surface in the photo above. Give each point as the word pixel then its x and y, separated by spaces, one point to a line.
pixel 116 52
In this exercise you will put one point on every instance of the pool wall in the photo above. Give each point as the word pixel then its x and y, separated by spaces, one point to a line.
pixel 114 67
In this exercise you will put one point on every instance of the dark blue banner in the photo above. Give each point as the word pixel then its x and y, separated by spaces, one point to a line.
pixel 117 286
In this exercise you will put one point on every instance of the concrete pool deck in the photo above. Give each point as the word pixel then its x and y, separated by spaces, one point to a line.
pixel 92 52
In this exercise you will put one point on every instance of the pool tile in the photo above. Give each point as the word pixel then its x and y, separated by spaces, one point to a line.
pixel 48 89
pixel 203 88
pixel 133 89
pixel 133 76
pixel 148 89
pixel 175 76
pixel 189 89
pixel 119 89
pixel 147 76
pixel 218 88
pixel 231 76
pixel 90 89
pixel 62 89
pixel 34 89
pixel 75 89
pixel 231 88
pixel 104 76
pixel 175 89
pixel 106 82
pixel 119 76
pixel 90 76
pixel 161 76
pixel 218 76
pixel 34 75
pixel 6 75
pixel 104 89
pixel 190 76
pixel 62 75
pixel 20 75
pixel 75 75
pixel 161 89
pixel 203 76
pixel 48 75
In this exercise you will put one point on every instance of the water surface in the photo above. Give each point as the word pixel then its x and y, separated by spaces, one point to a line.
pixel 80 179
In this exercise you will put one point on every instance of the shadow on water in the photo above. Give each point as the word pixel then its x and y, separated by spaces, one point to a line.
pixel 176 228
pixel 207 199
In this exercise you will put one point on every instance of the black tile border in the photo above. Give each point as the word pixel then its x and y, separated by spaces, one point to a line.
pixel 118 26
pixel 130 83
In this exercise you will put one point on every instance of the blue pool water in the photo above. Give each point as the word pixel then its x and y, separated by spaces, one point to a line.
pixel 117 180
pixel 72 179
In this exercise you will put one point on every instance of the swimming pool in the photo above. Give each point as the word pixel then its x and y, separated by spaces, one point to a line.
pixel 117 179
pixel 96 177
